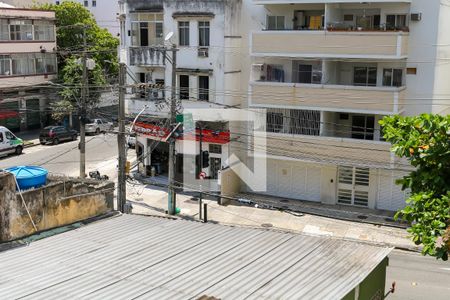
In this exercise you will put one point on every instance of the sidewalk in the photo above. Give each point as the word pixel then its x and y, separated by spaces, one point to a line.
pixel 148 199
pixel 30 137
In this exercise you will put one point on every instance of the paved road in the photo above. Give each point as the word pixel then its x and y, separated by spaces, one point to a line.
pixel 101 154
pixel 418 277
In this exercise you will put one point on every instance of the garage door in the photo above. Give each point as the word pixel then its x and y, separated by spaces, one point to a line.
pixel 293 180
pixel 33 114
pixel 390 195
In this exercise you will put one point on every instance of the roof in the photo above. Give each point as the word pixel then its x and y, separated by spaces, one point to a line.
pixel 156 258
pixel 5 5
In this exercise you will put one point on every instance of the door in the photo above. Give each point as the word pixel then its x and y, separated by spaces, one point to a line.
pixel 33 114
pixel 144 34
pixel 3 144
pixel 353 186
pixel 315 22
pixel 304 73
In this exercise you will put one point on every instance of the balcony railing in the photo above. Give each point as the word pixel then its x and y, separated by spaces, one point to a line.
pixel 333 44
pixel 338 98
pixel 147 56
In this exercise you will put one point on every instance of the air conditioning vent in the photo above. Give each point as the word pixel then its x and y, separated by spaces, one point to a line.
pixel 416 17
pixel 203 52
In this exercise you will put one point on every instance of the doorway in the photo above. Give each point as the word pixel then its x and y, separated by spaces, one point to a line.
pixel 353 186
pixel 363 127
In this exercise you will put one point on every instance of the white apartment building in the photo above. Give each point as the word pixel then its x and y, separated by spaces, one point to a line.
pixel 105 13
pixel 327 71
pixel 201 32
pixel 27 63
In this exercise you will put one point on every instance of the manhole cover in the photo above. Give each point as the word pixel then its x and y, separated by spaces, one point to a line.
pixel 266 225
pixel 284 201
pixel 362 217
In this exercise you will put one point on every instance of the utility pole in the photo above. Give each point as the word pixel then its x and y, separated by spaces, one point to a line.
pixel 173 110
pixel 83 110
pixel 121 193
pixel 200 198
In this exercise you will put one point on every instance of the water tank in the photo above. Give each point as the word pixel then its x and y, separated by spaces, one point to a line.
pixel 29 176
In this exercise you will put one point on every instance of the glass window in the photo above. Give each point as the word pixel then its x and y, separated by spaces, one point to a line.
pixel 94 3
pixel 44 31
pixel 203 34
pixel 203 91
pixel 21 30
pixel 5 65
pixel 86 3
pixel 365 76
pixel 10 136
pixel 183 32
pixel 275 22
pixel 23 64
pixel 395 22
pixel 392 77
pixel 146 29
pixel 4 30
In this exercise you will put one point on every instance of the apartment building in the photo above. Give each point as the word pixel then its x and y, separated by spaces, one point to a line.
pixel 201 31
pixel 327 72
pixel 27 63
pixel 105 12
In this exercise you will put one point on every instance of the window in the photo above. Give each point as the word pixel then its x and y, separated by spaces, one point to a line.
pixel 274 73
pixel 203 34
pixel 1 137
pixel 86 3
pixel 5 65
pixel 274 121
pixel 9 136
pixel 21 30
pixel 45 63
pixel 22 64
pixel 146 29
pixel 365 76
pixel 44 31
pixel 160 92
pixel 348 18
pixel 309 74
pixel 183 32
pixel 4 30
pixel 203 91
pixel 411 71
pixel 57 2
pixel 395 22
pixel 275 23
pixel 94 3
pixel 184 87
pixel 213 148
pixel 363 127
pixel 392 77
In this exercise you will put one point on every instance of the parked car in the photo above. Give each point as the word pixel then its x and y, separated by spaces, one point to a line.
pixel 95 126
pixel 9 143
pixel 56 134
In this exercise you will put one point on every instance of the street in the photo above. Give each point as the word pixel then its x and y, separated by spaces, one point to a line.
pixel 64 159
pixel 417 277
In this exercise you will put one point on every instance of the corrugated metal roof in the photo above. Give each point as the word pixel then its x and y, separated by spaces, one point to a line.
pixel 140 257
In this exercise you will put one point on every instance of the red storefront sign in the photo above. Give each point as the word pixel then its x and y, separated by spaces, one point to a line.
pixel 8 114
pixel 161 133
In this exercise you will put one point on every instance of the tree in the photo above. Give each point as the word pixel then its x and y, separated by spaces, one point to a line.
pixel 425 141
pixel 72 19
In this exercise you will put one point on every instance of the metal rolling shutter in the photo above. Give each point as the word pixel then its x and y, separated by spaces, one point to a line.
pixel 33 114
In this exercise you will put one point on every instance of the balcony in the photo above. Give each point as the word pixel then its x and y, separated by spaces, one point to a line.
pixel 147 56
pixel 330 44
pixel 337 98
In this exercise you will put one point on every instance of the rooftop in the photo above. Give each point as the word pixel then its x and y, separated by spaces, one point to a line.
pixel 132 256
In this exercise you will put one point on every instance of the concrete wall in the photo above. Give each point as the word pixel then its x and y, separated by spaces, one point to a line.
pixel 62 201
pixel 230 184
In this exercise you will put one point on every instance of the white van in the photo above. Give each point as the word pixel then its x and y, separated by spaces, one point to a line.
pixel 9 143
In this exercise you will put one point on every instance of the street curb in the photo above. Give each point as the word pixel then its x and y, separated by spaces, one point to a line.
pixel 30 145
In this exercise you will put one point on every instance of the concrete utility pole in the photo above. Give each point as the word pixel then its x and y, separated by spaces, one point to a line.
pixel 173 111
pixel 122 184
pixel 200 198
pixel 83 110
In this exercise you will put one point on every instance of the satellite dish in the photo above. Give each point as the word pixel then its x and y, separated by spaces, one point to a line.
pixel 169 36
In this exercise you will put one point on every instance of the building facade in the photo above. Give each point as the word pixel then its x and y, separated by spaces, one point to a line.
pixel 105 13
pixel 200 31
pixel 27 63
pixel 327 72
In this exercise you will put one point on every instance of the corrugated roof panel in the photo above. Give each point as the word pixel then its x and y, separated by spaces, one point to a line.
pixel 140 257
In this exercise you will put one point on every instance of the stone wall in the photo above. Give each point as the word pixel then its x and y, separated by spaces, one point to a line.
pixel 62 201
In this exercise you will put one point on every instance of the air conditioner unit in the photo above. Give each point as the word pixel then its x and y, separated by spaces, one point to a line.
pixel 203 52
pixel 416 17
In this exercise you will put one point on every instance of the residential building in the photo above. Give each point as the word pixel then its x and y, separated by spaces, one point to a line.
pixel 105 13
pixel 25 3
pixel 201 31
pixel 327 72
pixel 27 63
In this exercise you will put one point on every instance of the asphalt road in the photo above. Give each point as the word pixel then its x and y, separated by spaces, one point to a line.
pixel 101 154
pixel 418 277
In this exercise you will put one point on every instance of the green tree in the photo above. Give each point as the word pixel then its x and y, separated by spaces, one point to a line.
pixel 425 141
pixel 72 19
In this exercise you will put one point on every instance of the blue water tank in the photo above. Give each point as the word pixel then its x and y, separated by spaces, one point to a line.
pixel 29 176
